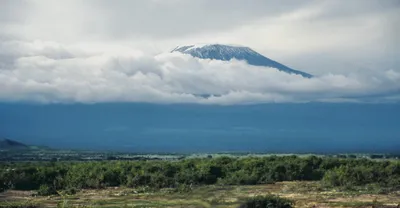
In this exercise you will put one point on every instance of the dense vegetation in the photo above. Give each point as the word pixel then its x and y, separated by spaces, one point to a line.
pixel 18 205
pixel 269 201
pixel 47 177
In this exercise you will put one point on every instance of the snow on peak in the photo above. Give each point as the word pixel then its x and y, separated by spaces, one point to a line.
pixel 220 47
pixel 229 52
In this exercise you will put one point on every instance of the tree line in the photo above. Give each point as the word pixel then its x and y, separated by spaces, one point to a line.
pixel 50 176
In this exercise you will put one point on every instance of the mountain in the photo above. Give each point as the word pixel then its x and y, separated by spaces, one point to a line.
pixel 227 53
pixel 6 144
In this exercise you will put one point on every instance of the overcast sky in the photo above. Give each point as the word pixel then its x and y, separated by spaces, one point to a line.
pixel 98 50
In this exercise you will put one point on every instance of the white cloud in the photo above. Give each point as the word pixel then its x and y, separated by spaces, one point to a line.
pixel 296 31
pixel 82 51
pixel 133 76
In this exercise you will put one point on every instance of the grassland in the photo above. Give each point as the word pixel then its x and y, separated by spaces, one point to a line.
pixel 305 194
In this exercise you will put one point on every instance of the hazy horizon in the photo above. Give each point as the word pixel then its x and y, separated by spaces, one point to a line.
pixel 312 75
pixel 141 127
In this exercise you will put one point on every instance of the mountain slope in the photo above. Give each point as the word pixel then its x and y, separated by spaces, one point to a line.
pixel 11 144
pixel 226 53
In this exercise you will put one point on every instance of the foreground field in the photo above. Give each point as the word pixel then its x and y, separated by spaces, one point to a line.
pixel 304 194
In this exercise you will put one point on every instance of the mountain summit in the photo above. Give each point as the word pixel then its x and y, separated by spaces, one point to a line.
pixel 227 52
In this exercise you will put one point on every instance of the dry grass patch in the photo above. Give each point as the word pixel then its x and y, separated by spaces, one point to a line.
pixel 305 194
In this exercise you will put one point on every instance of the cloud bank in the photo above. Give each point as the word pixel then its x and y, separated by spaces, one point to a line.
pixel 50 72
pixel 103 51
pixel 319 37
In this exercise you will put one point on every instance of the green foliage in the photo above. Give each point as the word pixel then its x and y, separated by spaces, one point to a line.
pixel 269 201
pixel 71 176
pixel 184 188
pixel 70 191
pixel 18 205
pixel 45 190
pixel 382 174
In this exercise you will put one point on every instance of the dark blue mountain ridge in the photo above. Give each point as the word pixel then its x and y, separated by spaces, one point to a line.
pixel 11 144
pixel 229 52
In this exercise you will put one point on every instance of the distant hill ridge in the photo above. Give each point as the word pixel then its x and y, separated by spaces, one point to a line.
pixel 12 144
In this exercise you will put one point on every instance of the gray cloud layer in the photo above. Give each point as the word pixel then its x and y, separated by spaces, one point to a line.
pixel 49 72
pixel 97 51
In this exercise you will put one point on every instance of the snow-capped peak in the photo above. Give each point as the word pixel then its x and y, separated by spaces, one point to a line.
pixel 229 52
pixel 227 49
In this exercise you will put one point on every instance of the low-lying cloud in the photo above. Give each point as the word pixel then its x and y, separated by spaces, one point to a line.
pixel 49 72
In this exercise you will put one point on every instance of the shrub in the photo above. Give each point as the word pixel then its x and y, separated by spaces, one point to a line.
pixel 269 201
pixel 45 190
pixel 70 191
pixel 18 205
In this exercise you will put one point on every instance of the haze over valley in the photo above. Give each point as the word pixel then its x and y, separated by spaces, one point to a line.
pixel 150 76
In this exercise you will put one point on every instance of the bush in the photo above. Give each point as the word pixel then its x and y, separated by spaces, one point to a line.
pixel 70 191
pixel 269 201
pixel 183 188
pixel 18 205
pixel 45 190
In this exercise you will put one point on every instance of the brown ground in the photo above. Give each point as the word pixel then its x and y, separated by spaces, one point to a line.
pixel 305 194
